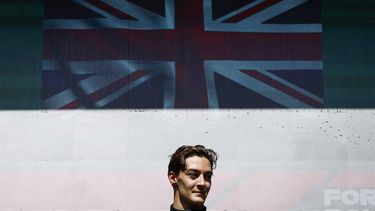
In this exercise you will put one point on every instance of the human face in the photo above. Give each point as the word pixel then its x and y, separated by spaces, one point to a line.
pixel 193 184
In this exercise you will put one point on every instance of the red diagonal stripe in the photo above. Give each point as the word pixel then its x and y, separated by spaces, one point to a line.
pixel 251 11
pixel 122 82
pixel 111 9
pixel 99 94
pixel 287 90
pixel 72 105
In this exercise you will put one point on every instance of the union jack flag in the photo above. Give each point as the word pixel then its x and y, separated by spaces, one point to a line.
pixel 182 54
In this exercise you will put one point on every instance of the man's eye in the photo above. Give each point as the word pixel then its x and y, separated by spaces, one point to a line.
pixel 193 176
pixel 208 177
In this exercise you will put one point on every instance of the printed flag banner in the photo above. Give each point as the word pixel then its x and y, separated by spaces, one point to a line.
pixel 182 54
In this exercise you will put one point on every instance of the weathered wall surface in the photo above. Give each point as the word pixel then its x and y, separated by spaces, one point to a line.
pixel 117 160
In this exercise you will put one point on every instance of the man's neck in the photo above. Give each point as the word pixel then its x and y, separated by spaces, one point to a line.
pixel 203 208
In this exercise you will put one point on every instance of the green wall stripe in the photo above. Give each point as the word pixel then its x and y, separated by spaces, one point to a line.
pixel 349 53
pixel 21 41
pixel 15 10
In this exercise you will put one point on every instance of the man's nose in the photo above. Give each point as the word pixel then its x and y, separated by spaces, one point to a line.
pixel 201 180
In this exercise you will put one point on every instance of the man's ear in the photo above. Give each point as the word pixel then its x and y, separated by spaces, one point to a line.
pixel 172 177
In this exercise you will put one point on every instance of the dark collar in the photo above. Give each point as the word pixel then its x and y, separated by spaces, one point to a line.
pixel 200 209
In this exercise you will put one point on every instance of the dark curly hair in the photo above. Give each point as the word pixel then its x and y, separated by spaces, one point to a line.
pixel 177 161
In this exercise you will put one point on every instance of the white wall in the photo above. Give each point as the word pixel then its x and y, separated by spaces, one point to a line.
pixel 117 160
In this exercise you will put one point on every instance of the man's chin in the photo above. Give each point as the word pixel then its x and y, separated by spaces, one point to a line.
pixel 198 200
pixel 194 201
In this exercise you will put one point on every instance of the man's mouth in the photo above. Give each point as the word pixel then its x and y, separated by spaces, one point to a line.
pixel 199 193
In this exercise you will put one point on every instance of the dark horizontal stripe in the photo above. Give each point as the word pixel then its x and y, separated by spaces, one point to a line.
pixel 23 70
pixel 20 81
pixel 21 1
pixel 349 13
pixel 21 44
pixel 350 48
pixel 359 70
pixel 348 4
pixel 22 10
pixel 349 98
pixel 19 64
pixel 358 23
pixel 10 64
pixel 23 55
pixel 351 92
pixel 350 103
pixel 10 22
pixel 17 104
pixel 15 93
pixel 337 81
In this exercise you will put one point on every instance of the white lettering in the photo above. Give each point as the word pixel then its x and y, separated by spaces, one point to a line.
pixel 350 197
pixel 367 197
pixel 330 195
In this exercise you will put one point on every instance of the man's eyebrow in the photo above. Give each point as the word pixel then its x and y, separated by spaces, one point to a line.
pixel 196 170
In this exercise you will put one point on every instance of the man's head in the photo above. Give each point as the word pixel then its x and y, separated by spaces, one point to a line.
pixel 189 172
